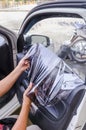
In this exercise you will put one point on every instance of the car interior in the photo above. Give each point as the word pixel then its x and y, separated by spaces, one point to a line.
pixel 6 66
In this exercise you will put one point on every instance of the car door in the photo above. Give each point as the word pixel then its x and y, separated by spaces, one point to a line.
pixel 54 21
pixel 8 51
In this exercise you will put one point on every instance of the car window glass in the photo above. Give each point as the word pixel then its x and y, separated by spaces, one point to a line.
pixel 57 29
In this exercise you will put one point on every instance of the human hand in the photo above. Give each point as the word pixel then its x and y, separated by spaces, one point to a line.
pixel 26 99
pixel 23 64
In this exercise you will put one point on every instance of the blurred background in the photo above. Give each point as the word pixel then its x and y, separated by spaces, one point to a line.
pixel 13 12
pixel 11 3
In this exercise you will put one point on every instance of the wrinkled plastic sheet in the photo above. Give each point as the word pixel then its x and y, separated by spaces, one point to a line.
pixel 52 77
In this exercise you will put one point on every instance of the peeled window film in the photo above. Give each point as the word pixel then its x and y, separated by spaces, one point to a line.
pixel 51 76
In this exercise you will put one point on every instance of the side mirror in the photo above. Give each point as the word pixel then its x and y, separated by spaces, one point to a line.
pixel 38 39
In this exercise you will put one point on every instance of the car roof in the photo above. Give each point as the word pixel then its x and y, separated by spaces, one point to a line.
pixel 73 0
pixel 69 1
pixel 58 4
pixel 61 3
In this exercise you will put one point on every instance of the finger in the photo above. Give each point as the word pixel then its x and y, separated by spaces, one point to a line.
pixel 29 87
pixel 26 62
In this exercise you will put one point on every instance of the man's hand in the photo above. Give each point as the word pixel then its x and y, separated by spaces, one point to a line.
pixel 21 122
pixel 7 83
pixel 26 99
pixel 23 64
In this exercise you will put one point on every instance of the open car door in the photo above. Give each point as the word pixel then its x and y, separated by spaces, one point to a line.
pixel 8 52
pixel 51 24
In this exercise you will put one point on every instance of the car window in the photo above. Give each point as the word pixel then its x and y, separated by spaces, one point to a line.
pixel 58 29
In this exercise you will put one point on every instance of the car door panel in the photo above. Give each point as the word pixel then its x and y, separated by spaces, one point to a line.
pixel 56 115
pixel 7 45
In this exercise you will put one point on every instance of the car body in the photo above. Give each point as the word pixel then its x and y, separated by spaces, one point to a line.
pixel 55 21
